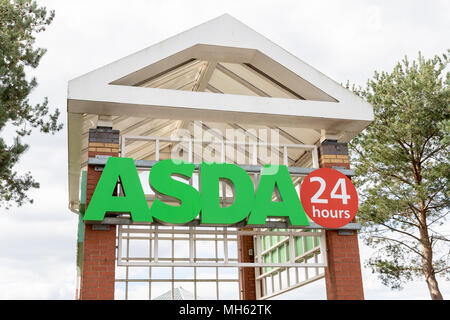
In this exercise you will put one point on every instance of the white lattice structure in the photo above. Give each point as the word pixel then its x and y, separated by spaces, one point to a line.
pixel 279 254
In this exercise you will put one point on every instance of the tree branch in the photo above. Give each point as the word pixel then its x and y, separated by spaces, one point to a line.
pixel 402 243
pixel 432 153
pixel 400 231
pixel 443 269
pixel 437 219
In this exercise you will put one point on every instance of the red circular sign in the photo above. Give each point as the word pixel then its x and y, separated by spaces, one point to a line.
pixel 329 198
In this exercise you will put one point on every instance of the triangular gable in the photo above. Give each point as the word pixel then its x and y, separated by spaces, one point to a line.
pixel 111 89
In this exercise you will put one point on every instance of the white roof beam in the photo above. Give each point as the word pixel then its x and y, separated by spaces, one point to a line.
pixel 179 105
pixel 242 81
pixel 170 74
pixel 205 76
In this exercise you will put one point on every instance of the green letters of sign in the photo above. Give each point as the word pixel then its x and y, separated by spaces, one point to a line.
pixel 192 202
pixel 132 202
pixel 289 206
pixel 212 212
pixel 162 183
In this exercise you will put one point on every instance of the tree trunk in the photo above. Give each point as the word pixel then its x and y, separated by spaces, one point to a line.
pixel 428 271
pixel 427 262
pixel 435 293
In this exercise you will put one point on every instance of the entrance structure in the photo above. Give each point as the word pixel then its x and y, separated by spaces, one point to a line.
pixel 187 96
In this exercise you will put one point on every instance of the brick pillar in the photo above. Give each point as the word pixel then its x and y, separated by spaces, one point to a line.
pixel 343 274
pixel 247 284
pixel 99 253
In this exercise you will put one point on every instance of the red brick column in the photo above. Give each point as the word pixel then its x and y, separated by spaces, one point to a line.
pixel 99 253
pixel 247 284
pixel 343 273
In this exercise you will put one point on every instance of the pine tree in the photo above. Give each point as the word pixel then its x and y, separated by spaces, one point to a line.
pixel 402 168
pixel 20 21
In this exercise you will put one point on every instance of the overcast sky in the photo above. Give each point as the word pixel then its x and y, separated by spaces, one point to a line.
pixel 346 40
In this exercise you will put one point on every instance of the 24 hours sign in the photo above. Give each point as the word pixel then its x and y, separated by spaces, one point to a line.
pixel 329 198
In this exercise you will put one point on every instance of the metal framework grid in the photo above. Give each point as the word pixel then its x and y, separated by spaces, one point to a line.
pixel 306 252
pixel 173 255
pixel 279 256
pixel 195 256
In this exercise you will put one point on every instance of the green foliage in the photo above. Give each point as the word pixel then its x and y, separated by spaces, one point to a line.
pixel 20 21
pixel 402 168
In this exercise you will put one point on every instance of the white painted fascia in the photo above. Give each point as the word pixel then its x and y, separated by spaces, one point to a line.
pixel 177 104
pixel 225 31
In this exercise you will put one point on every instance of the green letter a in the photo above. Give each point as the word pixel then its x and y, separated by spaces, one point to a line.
pixel 134 200
pixel 289 206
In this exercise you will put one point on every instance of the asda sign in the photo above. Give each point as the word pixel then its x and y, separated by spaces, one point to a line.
pixel 253 205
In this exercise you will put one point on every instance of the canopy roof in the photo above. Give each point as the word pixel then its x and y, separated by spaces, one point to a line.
pixel 221 72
